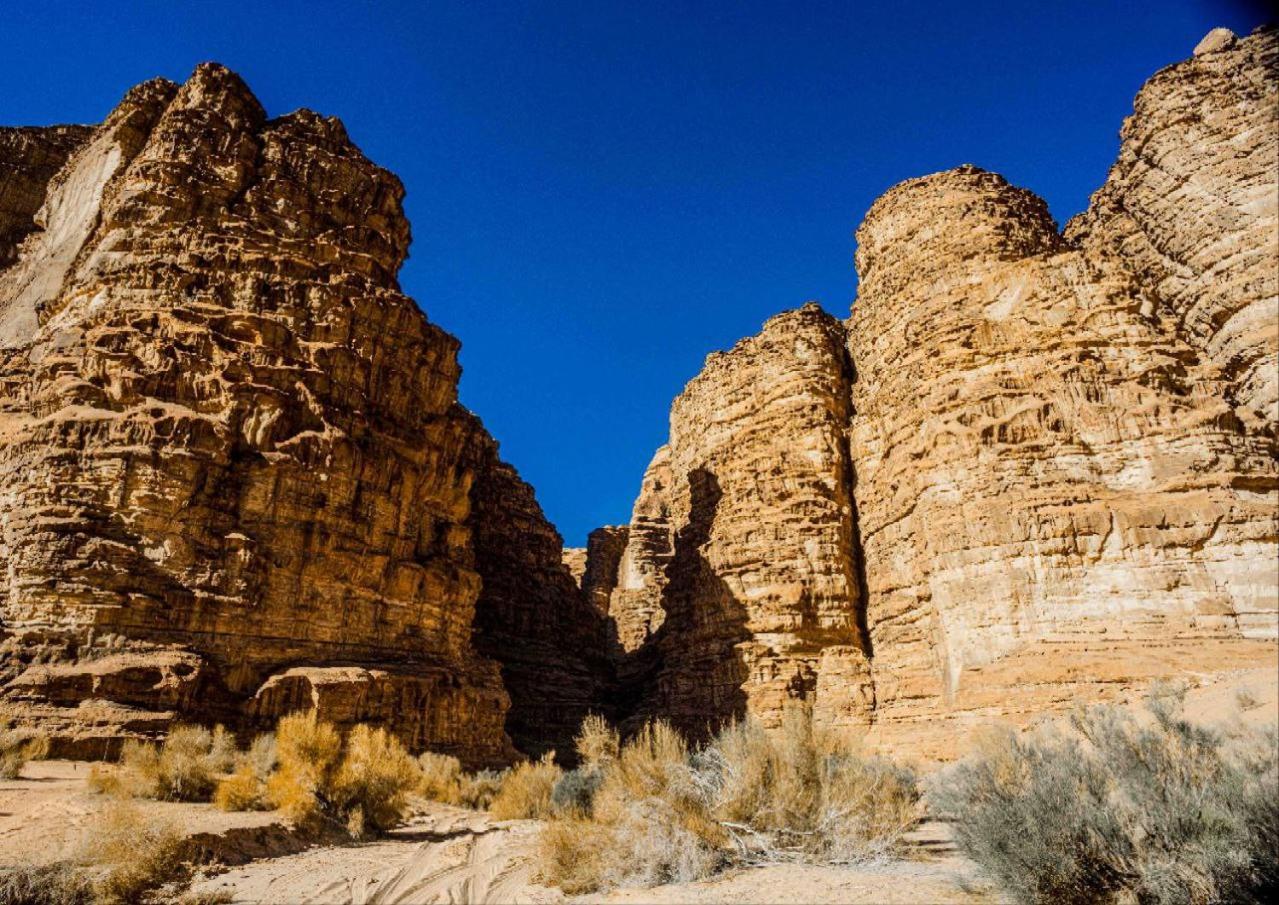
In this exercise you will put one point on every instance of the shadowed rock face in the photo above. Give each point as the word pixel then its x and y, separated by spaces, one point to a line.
pixel 29 159
pixel 224 431
pixel 1042 471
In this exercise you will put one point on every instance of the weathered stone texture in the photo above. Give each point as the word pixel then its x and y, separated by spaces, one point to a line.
pixel 223 429
pixel 29 158
pixel 744 534
pixel 1040 464
pixel 531 616
pixel 1192 208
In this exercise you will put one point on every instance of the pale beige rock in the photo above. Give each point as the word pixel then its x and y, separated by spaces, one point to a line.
pixel 743 535
pixel 1192 207
pixel 225 432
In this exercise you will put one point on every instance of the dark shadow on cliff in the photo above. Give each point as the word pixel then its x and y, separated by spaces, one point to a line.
pixel 690 672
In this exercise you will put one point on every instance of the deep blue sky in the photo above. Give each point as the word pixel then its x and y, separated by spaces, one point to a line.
pixel 602 192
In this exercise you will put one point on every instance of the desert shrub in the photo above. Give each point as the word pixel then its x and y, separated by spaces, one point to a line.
pixel 441 778
pixel 525 792
pixel 60 883
pixel 597 743
pixel 244 789
pixel 575 790
pixel 17 747
pixel 372 784
pixel 131 854
pixel 655 812
pixel 308 751
pixel 1126 807
pixel 185 767
pixel 479 789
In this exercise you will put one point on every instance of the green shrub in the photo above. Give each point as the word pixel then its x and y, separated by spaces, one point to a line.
pixel 1126 807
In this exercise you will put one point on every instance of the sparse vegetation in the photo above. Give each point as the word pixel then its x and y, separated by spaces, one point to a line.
pixel 479 789
pixel 653 811
pixel 441 778
pixel 185 767
pixel 245 788
pixel 525 790
pixel 60 883
pixel 17 747
pixel 372 785
pixel 1126 807
pixel 131 854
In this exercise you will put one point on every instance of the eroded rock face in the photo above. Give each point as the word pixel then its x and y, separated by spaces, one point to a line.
pixel 1043 472
pixel 29 159
pixel 743 537
pixel 1046 474
pixel 225 431
pixel 1192 207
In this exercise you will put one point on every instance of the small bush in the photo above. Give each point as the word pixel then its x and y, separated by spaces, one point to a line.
pixel 597 743
pixel 185 767
pixel 525 792
pixel 17 747
pixel 308 750
pixel 479 789
pixel 441 778
pixel 655 812
pixel 46 884
pixel 1154 809
pixel 245 788
pixel 131 854
pixel 374 780
pixel 575 790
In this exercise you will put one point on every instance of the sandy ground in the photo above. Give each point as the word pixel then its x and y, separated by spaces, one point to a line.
pixel 450 855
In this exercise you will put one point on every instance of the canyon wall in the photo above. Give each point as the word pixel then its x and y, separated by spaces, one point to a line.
pixel 1031 468
pixel 234 475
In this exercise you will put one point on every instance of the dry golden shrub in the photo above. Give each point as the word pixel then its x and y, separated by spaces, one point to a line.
pixel 597 743
pixel 373 783
pixel 525 792
pixel 441 778
pixel 308 750
pixel 17 747
pixel 244 789
pixel 130 853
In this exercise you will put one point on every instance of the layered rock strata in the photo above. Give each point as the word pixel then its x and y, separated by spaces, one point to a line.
pixel 744 537
pixel 1044 471
pixel 226 437
pixel 1192 209
pixel 531 617
pixel 1047 476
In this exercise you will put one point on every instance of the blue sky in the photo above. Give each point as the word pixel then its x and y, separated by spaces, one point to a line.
pixel 602 192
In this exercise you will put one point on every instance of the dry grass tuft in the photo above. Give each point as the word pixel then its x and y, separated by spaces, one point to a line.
pixel 597 743
pixel 441 778
pixel 185 767
pixel 46 884
pixel 17 747
pixel 1123 809
pixel 525 792
pixel 656 812
pixel 131 854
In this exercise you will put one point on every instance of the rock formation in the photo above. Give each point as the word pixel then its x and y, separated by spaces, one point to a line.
pixel 1043 470
pixel 235 476
pixel 744 535
pixel 531 616
pixel 1192 209
pixel 29 158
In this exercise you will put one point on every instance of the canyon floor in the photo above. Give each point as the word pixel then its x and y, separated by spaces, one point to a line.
pixel 446 854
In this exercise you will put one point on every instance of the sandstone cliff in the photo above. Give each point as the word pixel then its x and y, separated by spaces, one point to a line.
pixel 29 159
pixel 1032 468
pixel 235 477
